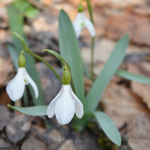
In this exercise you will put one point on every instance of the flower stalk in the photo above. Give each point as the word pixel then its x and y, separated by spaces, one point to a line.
pixel 44 61
pixel 92 41
pixel 92 59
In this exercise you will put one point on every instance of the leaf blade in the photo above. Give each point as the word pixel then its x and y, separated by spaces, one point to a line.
pixel 25 8
pixel 134 77
pixel 69 50
pixel 108 127
pixel 111 66
pixel 33 111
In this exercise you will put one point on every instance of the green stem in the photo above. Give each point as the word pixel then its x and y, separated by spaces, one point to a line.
pixel 90 10
pixel 92 42
pixel 48 65
pixel 92 59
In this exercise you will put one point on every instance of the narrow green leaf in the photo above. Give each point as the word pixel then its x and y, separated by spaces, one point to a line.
pixel 16 25
pixel 108 127
pixel 134 77
pixel 69 50
pixel 111 66
pixel 33 111
pixel 25 8
pixel 13 54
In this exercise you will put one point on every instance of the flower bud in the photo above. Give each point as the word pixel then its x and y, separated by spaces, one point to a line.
pixel 21 61
pixel 80 8
pixel 66 77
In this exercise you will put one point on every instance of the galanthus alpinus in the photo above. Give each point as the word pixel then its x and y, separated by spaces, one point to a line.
pixel 66 103
pixel 16 86
pixel 82 21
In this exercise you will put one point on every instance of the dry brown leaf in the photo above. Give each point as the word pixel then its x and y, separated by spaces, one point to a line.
pixel 120 104
pixel 33 144
pixel 142 90
pixel 6 70
pixel 49 81
pixel 17 128
pixel 118 3
pixel 51 136
pixel 127 22
pixel 4 145
pixel 67 145
pixel 139 132
pixel 4 98
pixel 4 117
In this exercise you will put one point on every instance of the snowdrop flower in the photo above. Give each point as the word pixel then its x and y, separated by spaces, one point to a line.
pixel 16 86
pixel 66 103
pixel 82 21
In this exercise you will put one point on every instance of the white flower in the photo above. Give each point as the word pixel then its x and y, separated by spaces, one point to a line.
pixel 82 21
pixel 64 105
pixel 16 86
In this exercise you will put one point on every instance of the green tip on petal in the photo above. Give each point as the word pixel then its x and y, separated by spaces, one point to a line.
pixel 21 61
pixel 80 8
pixel 66 77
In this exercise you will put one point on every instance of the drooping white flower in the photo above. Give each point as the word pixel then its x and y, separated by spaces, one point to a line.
pixel 65 105
pixel 82 21
pixel 16 86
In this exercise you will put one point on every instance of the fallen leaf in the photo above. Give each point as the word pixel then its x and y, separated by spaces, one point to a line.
pixel 4 116
pixel 18 127
pixel 142 90
pixel 139 132
pixel 4 145
pixel 68 144
pixel 33 144
pixel 127 22
pixel 6 71
pixel 121 104
pixel 49 81
pixel 4 98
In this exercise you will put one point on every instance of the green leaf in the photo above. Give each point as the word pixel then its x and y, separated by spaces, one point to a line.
pixel 16 25
pixel 69 50
pixel 13 55
pixel 133 77
pixel 25 8
pixel 110 68
pixel 33 111
pixel 108 127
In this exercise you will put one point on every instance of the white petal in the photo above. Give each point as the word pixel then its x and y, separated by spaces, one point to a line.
pixel 78 106
pixel 51 107
pixel 32 84
pixel 15 87
pixel 65 107
pixel 90 26
pixel 77 24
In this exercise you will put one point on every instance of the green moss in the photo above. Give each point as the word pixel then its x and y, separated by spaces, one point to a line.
pixel 103 141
